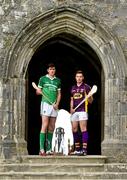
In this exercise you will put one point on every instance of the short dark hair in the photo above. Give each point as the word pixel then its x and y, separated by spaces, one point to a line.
pixel 50 65
pixel 79 72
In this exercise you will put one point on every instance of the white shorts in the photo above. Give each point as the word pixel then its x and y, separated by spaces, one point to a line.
pixel 79 116
pixel 47 110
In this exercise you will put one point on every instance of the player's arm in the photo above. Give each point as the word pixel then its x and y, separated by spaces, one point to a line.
pixel 71 105
pixel 90 99
pixel 39 89
pixel 58 99
pixel 72 102
pixel 58 95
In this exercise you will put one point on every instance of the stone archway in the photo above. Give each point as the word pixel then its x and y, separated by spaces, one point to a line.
pixel 68 53
pixel 101 40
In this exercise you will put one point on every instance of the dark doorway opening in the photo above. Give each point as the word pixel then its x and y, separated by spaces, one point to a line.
pixel 69 54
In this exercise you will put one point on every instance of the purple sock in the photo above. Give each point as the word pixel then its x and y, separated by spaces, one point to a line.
pixel 84 139
pixel 85 136
pixel 76 141
pixel 76 137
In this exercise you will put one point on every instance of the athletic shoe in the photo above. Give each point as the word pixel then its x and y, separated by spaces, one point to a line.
pixel 42 153
pixel 78 153
pixel 83 152
pixel 49 152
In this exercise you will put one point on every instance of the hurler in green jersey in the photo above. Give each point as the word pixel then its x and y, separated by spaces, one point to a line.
pixel 49 87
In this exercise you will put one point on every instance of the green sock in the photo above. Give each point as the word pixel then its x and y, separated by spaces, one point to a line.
pixel 49 141
pixel 42 140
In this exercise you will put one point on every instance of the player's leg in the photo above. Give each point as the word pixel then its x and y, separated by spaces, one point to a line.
pixel 44 111
pixel 76 136
pixel 51 128
pixel 45 121
pixel 83 127
pixel 75 123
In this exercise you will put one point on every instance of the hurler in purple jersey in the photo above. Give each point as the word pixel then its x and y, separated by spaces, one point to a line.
pixel 80 115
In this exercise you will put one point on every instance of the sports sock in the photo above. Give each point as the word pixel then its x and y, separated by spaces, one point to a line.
pixel 76 141
pixel 49 141
pixel 84 140
pixel 42 140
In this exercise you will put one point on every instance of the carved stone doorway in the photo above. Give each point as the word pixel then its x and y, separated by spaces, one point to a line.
pixel 111 77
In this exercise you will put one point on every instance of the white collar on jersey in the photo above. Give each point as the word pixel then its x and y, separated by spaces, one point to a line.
pixel 47 75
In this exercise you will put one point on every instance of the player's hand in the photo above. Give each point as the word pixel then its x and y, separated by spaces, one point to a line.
pixel 90 99
pixel 38 91
pixel 55 106
pixel 72 110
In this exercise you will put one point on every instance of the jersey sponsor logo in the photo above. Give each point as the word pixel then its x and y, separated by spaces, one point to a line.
pixel 78 90
pixel 77 96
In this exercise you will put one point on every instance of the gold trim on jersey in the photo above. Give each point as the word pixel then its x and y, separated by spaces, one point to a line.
pixel 77 96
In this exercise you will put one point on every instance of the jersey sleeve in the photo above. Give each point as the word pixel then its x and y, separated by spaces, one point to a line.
pixel 40 84
pixel 87 88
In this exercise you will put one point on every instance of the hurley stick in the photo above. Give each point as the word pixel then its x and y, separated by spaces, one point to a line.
pixel 92 91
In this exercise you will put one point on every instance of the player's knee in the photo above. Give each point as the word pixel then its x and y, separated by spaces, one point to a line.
pixel 51 128
pixel 74 129
pixel 84 129
pixel 44 127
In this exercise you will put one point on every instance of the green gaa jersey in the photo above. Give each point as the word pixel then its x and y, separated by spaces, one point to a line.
pixel 49 88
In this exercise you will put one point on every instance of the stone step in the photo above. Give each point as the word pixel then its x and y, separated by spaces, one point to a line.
pixel 115 167
pixel 24 167
pixel 62 167
pixel 62 175
pixel 64 159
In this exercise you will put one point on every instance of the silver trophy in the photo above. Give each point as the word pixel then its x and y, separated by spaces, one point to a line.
pixel 59 140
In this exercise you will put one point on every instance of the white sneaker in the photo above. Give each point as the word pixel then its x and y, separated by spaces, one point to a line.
pixel 76 153
pixel 49 152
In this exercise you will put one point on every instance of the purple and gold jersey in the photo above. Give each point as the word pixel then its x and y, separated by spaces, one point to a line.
pixel 78 93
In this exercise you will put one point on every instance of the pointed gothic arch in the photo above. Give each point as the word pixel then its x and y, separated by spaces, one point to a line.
pixel 101 40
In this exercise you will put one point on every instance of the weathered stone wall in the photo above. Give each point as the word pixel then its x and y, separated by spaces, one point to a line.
pixel 21 22
pixel 15 14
